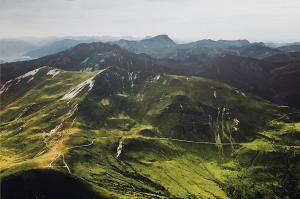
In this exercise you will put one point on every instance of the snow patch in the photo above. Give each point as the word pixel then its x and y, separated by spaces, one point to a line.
pixel 181 107
pixel 235 124
pixel 87 69
pixel 58 127
pixel 5 87
pixel 28 74
pixel 89 82
pixel 157 77
pixel 119 149
pixel 132 77
pixel 236 121
pixel 53 72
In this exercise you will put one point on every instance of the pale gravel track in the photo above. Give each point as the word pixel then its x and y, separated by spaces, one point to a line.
pixel 213 143
pixel 157 138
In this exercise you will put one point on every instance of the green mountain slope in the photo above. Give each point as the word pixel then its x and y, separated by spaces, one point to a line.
pixel 135 134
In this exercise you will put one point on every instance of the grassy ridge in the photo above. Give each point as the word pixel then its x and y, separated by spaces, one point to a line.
pixel 129 135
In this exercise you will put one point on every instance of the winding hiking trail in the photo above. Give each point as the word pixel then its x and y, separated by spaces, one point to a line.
pixel 213 143
pixel 84 145
pixel 59 154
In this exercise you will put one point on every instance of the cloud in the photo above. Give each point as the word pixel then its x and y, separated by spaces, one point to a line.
pixel 187 19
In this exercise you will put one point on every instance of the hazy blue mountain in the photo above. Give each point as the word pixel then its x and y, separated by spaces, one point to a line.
pixel 277 45
pixel 54 47
pixel 12 49
pixel 25 48
pixel 160 46
pixel 209 48
pixel 66 43
pixel 290 48
pixel 257 50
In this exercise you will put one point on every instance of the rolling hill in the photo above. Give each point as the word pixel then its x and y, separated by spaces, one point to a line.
pixel 116 132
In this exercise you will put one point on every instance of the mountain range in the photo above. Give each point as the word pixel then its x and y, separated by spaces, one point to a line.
pixel 255 68
pixel 26 48
pixel 152 119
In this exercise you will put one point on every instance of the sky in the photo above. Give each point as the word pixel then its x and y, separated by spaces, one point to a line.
pixel 256 20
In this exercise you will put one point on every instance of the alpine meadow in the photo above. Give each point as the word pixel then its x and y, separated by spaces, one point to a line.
pixel 88 112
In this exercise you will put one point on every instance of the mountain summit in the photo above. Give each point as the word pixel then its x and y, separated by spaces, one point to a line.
pixel 159 41
pixel 161 46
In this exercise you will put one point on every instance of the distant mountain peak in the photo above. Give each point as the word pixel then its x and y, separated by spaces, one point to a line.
pixel 160 38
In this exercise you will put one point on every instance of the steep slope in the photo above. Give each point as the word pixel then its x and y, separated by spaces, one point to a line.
pixel 137 134
pixel 276 80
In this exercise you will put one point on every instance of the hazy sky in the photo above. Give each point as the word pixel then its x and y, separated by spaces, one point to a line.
pixel 265 20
